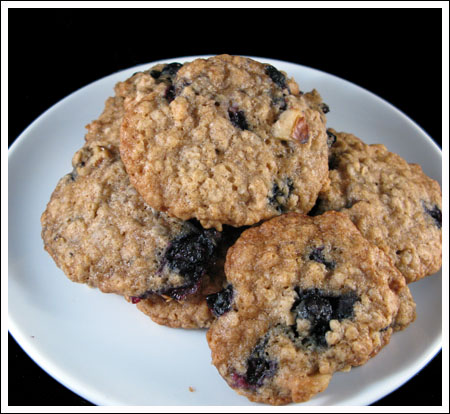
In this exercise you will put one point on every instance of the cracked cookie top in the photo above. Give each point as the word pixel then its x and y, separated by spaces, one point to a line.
pixel 307 296
pixel 225 140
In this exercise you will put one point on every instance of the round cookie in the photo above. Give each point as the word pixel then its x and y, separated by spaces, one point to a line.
pixel 308 296
pixel 225 140
pixel 393 203
pixel 100 232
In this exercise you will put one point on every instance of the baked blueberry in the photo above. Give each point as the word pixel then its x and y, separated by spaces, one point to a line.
pixel 155 74
pixel 312 305
pixel 192 254
pixel 276 76
pixel 319 308
pixel 343 305
pixel 435 213
pixel 171 69
pixel 237 118
pixel 281 191
pixel 220 302
pixel 259 368
pixel 318 256
pixel 182 292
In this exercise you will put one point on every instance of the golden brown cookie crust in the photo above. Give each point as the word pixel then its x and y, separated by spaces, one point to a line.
pixel 271 268
pixel 225 140
pixel 390 201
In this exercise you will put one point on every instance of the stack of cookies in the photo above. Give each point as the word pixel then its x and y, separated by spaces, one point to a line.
pixel 212 195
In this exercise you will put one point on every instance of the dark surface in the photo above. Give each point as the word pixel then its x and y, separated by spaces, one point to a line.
pixel 394 53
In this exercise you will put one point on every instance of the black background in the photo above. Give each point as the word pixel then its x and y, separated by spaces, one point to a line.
pixel 395 53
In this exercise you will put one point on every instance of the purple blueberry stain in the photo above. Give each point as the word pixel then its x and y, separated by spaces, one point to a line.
pixel 239 381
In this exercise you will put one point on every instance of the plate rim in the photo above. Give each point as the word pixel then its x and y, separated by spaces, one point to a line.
pixel 70 381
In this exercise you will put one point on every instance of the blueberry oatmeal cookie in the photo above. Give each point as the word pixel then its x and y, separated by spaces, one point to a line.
pixel 307 296
pixel 100 232
pixel 225 140
pixel 393 203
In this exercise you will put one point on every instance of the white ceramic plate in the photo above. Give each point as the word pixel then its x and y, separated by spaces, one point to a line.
pixel 101 347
